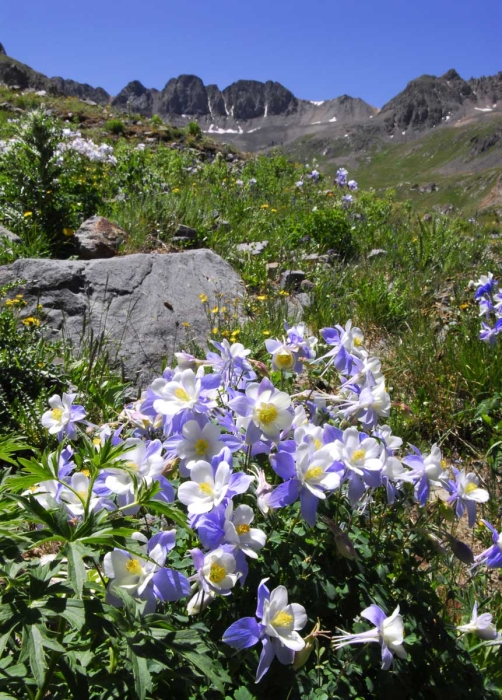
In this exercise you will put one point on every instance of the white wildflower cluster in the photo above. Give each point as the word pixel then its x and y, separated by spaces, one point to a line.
pixel 74 141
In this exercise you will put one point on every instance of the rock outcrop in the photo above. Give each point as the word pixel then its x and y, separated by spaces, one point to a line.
pixel 144 305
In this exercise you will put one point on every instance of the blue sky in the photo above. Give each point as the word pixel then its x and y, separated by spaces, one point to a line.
pixel 318 49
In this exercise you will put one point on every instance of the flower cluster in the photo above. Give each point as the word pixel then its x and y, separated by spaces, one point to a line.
pixel 198 427
pixel 75 142
pixel 490 307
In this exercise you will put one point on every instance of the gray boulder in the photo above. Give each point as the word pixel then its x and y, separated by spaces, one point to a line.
pixel 99 238
pixel 139 303
pixel 5 234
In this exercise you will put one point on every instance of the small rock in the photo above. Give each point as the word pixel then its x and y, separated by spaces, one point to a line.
pixel 427 217
pixel 307 286
pixel 254 248
pixel 272 269
pixel 186 232
pixel 376 252
pixel 304 299
pixel 292 279
pixel 8 235
pixel 221 223
pixel 99 238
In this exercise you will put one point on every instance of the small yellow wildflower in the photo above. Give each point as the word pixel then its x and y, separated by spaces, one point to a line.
pixel 223 309
pixel 262 297
pixel 185 324
pixel 215 331
pixel 10 302
pixel 176 190
pixel 27 213
pixel 266 332
pixel 282 293
pixel 31 321
pixel 203 298
pixel 67 232
pixel 225 334
pixel 274 210
pixel 264 206
pixel 464 306
pixel 215 310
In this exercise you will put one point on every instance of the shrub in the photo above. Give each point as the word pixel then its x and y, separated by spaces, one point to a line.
pixel 194 129
pixel 115 126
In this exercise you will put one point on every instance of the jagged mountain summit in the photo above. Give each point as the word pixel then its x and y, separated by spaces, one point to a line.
pixel 256 115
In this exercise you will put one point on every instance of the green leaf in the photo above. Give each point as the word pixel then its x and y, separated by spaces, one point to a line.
pixel 142 677
pixel 36 654
pixel 205 664
pixel 76 566
pixel 168 511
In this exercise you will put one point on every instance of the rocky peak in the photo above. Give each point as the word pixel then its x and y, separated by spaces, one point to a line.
pixel 248 99
pixel 136 97
pixel 426 101
pixel 184 95
pixel 3 52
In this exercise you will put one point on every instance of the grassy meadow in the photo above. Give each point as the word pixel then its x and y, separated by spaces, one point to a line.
pixel 402 278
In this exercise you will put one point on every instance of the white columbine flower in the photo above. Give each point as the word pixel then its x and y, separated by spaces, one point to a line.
pixel 238 530
pixel 480 625
pixel 282 620
pixel 199 443
pixel 207 487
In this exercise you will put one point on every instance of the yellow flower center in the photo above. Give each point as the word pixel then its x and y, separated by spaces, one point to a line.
pixel 217 573
pixel 313 473
pixel 132 466
pixel 206 488
pixel 181 394
pixel 96 442
pixel 201 446
pixel 134 567
pixel 358 455
pixel 86 472
pixel 57 413
pixel 282 619
pixel 470 488
pixel 267 413
pixel 358 342
pixel 284 359
pixel 317 444
pixel 443 464
pixel 242 529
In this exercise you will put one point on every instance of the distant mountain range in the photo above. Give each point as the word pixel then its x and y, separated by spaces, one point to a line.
pixel 438 142
pixel 256 115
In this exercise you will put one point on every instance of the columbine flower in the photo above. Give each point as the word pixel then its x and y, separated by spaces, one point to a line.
pixel 465 491
pixel 284 358
pixel 341 176
pixel 80 496
pixel 186 391
pixel 266 408
pixel 425 470
pixel 492 556
pixel 388 632
pixel 211 483
pixel 61 419
pixel 277 630
pixel 361 456
pixel 480 625
pixel 309 475
pixel 216 575
pixel 198 443
pixel 143 575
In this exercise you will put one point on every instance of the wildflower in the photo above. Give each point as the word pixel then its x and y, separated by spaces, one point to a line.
pixel 465 491
pixel 341 176
pixel 388 632
pixel 79 496
pixel 27 214
pixel 425 470
pixel 216 575
pixel 68 232
pixel 352 185
pixel 143 575
pixel 480 625
pixel 264 206
pixel 31 321
pixel 267 409
pixel 210 483
pixel 63 416
pixel 203 298
pixel 262 297
pixel 309 475
pixel 199 442
pixel 277 629
pixel 186 390
pixel 492 556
